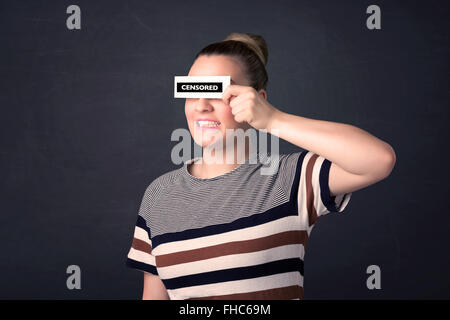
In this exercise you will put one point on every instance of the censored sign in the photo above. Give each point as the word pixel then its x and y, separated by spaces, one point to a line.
pixel 210 87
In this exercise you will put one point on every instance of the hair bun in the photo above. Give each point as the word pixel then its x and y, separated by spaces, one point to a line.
pixel 254 42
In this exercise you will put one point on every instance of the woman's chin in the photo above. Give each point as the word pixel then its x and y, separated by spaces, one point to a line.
pixel 208 139
pixel 207 142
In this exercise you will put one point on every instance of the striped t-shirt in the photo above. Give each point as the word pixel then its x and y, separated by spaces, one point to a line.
pixel 240 235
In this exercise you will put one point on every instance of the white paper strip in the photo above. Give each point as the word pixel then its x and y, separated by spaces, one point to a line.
pixel 211 87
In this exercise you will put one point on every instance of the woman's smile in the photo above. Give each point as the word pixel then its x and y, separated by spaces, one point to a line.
pixel 201 124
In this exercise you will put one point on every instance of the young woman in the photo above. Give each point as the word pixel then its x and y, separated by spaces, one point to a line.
pixel 219 230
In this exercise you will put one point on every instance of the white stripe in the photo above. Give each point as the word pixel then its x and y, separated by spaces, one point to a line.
pixel 233 261
pixel 238 286
pixel 317 200
pixel 289 223
pixel 301 193
pixel 141 234
pixel 141 256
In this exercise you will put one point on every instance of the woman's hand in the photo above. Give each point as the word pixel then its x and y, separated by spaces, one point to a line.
pixel 249 106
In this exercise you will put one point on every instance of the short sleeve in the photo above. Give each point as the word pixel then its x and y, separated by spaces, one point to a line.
pixel 310 186
pixel 140 254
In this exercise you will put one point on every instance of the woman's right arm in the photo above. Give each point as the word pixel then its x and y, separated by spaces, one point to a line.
pixel 154 288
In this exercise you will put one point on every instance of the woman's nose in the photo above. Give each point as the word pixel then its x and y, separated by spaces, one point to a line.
pixel 203 104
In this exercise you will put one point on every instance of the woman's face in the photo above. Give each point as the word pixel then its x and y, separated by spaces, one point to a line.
pixel 214 109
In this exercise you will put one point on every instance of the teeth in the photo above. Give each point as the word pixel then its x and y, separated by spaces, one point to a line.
pixel 202 123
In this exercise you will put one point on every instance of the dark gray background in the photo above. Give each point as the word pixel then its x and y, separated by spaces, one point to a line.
pixel 86 118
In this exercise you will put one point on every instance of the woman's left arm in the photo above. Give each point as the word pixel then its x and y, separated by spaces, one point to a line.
pixel 358 159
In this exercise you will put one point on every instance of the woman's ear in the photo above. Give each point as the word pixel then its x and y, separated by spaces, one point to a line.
pixel 263 93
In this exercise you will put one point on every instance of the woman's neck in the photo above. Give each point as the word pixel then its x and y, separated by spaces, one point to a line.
pixel 212 166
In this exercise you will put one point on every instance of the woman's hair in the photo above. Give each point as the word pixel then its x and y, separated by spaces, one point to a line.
pixel 250 49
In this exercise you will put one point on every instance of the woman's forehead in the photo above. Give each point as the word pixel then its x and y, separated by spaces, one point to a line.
pixel 219 65
pixel 216 65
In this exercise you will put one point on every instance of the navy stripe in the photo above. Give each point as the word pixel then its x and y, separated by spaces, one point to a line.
pixel 242 273
pixel 295 184
pixel 273 214
pixel 141 266
pixel 142 224
pixel 325 188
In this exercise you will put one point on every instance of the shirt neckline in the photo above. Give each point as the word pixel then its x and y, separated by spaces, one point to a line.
pixel 222 176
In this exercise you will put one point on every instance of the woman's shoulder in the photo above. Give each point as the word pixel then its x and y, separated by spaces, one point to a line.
pixel 165 180
pixel 279 158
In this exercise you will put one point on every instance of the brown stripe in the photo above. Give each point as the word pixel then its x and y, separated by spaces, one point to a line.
pixel 312 214
pixel 141 245
pixel 286 293
pixel 234 247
